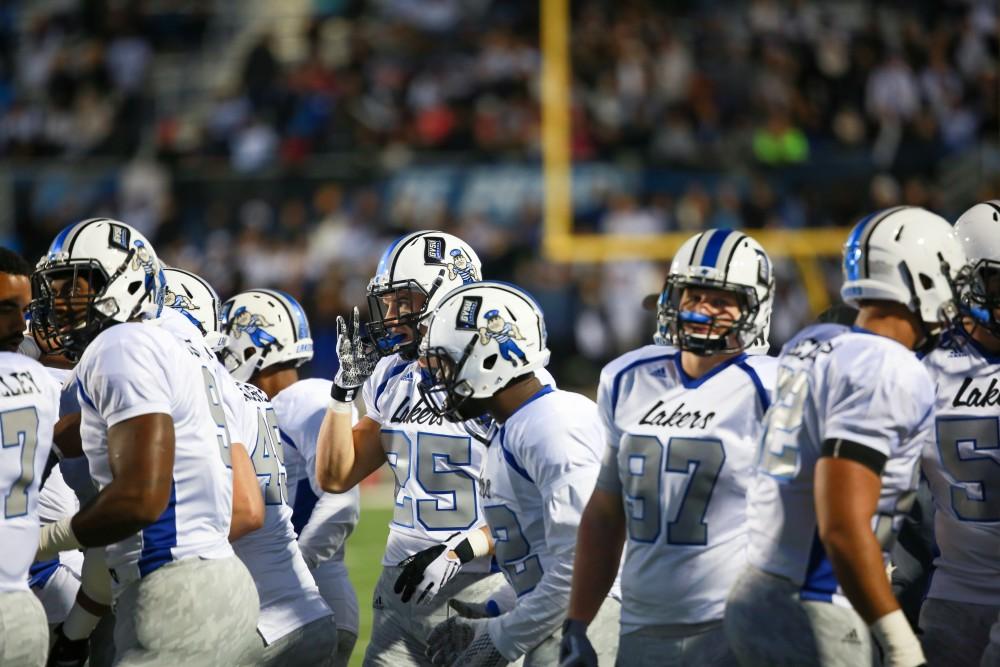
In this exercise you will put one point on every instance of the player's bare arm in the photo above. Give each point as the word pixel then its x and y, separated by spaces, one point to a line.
pixel 599 546
pixel 141 456
pixel 844 523
pixel 248 502
pixel 345 455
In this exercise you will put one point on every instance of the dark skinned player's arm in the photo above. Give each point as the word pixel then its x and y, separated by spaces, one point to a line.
pixel 141 456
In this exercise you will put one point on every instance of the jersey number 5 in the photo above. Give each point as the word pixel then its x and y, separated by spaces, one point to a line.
pixel 967 446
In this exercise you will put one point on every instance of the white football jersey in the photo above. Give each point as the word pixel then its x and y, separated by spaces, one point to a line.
pixel 56 501
pixel 540 470
pixel 288 595
pixel 961 465
pixel 29 404
pixel 135 369
pixel 847 388
pixel 322 520
pixel 681 452
pixel 436 463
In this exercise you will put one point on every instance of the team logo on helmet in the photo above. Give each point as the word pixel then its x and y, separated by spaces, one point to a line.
pixel 462 267
pixel 504 333
pixel 468 313
pixel 433 250
pixel 182 304
pixel 252 324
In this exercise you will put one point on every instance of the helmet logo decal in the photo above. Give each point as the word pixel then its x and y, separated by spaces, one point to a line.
pixel 468 313
pixel 433 250
pixel 119 237
pixel 252 324
pixel 144 259
pixel 504 333
pixel 182 304
pixel 461 266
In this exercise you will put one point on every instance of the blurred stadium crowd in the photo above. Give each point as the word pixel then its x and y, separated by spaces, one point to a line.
pixel 290 157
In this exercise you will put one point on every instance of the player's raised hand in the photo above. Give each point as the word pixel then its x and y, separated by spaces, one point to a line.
pixel 357 359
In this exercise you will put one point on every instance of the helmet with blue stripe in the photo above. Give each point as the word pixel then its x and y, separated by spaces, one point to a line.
pixel 191 296
pixel 480 338
pixel 96 273
pixel 905 255
pixel 264 328
pixel 717 259
pixel 978 230
pixel 414 274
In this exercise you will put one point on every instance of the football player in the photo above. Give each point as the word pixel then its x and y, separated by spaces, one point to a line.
pixel 29 404
pixel 155 445
pixel 295 625
pixel 436 463
pixel 540 469
pixel 838 462
pixel 682 424
pixel 323 521
pixel 964 595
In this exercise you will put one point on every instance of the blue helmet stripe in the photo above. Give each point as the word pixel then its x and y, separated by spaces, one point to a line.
pixel 60 240
pixel 386 259
pixel 302 325
pixel 852 251
pixel 711 255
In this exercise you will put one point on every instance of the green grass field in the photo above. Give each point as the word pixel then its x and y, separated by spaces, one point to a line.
pixel 364 563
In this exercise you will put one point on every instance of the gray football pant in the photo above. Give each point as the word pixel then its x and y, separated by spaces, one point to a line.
pixel 400 629
pixel 955 633
pixel 314 643
pixel 665 646
pixel 191 613
pixel 602 633
pixel 24 632
pixel 768 625
pixel 991 656
pixel 345 647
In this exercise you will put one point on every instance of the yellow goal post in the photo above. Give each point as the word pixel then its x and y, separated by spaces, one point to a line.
pixel 560 243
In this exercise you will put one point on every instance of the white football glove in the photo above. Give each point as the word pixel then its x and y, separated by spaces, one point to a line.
pixel 357 357
pixel 463 641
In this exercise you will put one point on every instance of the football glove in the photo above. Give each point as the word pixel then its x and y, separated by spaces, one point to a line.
pixel 357 359
pixel 576 649
pixel 67 652
pixel 426 572
pixel 463 641
pixel 54 538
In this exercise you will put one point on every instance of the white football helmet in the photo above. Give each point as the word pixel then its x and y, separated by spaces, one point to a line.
pixel 907 255
pixel 427 263
pixel 117 263
pixel 978 230
pixel 264 327
pixel 478 339
pixel 192 296
pixel 722 259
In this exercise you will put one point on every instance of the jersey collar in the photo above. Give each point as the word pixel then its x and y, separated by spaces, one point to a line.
pixel 693 383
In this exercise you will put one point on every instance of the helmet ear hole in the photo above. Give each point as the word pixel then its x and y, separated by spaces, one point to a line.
pixel 248 352
pixel 489 362
pixel 134 286
pixel 926 281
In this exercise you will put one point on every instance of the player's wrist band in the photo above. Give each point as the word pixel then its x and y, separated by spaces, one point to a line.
pixel 343 394
pixel 571 625
pixel 339 407
pixel 894 635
